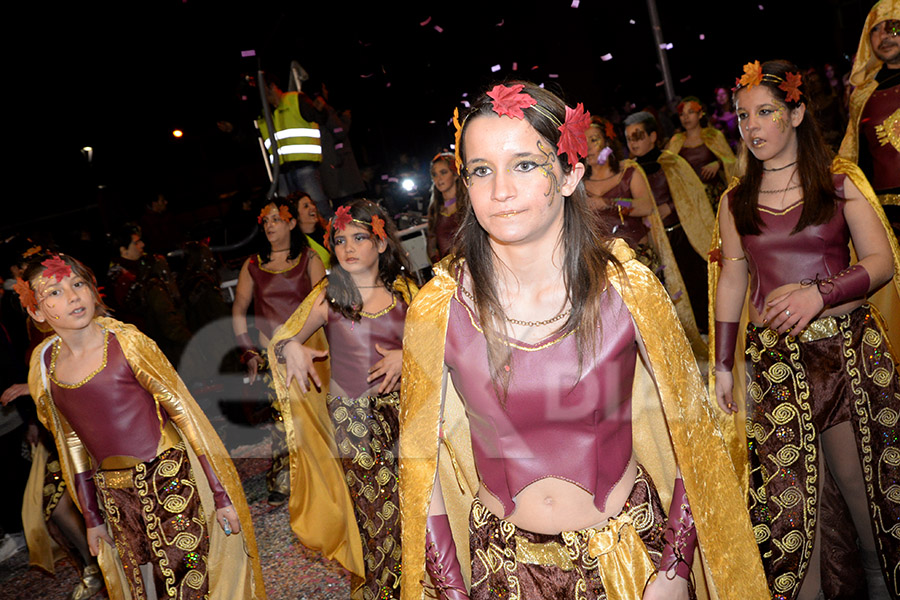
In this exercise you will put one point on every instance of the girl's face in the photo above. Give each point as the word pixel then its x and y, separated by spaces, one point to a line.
pixel 357 250
pixel 722 96
pixel 596 142
pixel 443 177
pixel 767 125
pixel 516 184
pixel 307 214
pixel 64 305
pixel 278 232
pixel 690 117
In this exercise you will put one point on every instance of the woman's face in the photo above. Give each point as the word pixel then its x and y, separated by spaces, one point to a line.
pixel 596 142
pixel 444 178
pixel 767 125
pixel 278 232
pixel 357 250
pixel 690 116
pixel 307 214
pixel 516 184
pixel 722 96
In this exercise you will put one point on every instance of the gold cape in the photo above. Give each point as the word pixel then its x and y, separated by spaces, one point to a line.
pixel 322 513
pixel 43 551
pixel 731 568
pixel 690 199
pixel 865 66
pixel 886 300
pixel 716 142
pixel 233 562
pixel 674 283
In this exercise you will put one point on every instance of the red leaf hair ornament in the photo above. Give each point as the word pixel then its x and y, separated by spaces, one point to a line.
pixel 573 140
pixel 509 100
pixel 26 294
pixel 792 86
pixel 378 227
pixel 342 218
pixel 56 267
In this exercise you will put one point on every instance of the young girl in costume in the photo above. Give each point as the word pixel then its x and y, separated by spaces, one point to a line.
pixel 143 464
pixel 552 410
pixel 351 413
pixel 448 201
pixel 822 379
pixel 275 281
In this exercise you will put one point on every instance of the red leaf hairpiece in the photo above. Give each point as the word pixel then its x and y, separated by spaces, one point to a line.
pixel 752 74
pixel 56 267
pixel 378 227
pixel 26 294
pixel 792 86
pixel 610 131
pixel 342 218
pixel 573 140
pixel 510 100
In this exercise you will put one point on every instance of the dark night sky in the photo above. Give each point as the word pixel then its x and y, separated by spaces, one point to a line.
pixel 120 76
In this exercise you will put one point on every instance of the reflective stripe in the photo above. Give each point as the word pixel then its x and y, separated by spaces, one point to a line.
pixel 297 149
pixel 297 132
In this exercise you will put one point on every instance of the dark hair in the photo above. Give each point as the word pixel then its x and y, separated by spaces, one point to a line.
pixel 645 118
pixel 298 239
pixel 437 200
pixel 612 142
pixel 704 116
pixel 121 237
pixel 813 165
pixel 586 254
pixel 342 293
pixel 34 269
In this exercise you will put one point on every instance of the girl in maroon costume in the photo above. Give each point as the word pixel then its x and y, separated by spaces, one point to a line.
pixel 448 203
pixel 361 307
pixel 823 380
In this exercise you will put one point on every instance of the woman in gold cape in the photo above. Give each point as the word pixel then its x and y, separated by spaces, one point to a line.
pixel 233 561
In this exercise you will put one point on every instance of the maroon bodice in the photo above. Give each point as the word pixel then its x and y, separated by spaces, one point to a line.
pixel 659 185
pixel 444 230
pixel 557 422
pixel 698 157
pixel 885 157
pixel 352 344
pixel 111 412
pixel 777 256
pixel 277 294
pixel 631 229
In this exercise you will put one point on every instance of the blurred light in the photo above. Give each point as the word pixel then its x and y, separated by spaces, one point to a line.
pixel 606 57
pixel 702 36
pixel 515 66
pixel 408 185
pixel 177 133
pixel 666 46
pixel 575 3
pixel 631 21
pixel 425 22
pixel 761 7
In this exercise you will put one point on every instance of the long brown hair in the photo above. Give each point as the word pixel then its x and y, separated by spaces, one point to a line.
pixel 437 199
pixel 585 251
pixel 813 165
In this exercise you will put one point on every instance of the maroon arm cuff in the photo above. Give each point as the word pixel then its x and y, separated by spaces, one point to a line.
pixel 726 342
pixel 86 491
pixel 248 348
pixel 680 535
pixel 851 283
pixel 441 561
pixel 219 494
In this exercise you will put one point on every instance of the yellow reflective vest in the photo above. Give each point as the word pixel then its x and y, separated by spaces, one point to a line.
pixel 297 138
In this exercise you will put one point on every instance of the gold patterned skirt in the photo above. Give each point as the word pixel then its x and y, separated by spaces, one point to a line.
pixel 839 369
pixel 365 432
pixel 154 513
pixel 509 562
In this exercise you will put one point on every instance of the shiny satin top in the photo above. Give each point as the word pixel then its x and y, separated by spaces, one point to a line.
pixel 885 157
pixel 631 229
pixel 659 185
pixel 698 157
pixel 277 294
pixel 110 411
pixel 444 230
pixel 352 344
pixel 556 422
pixel 776 257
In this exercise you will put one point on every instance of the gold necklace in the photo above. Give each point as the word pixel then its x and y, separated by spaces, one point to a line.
pixel 559 316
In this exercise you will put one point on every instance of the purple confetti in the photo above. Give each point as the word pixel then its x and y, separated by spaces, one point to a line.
pixel 761 7
pixel 439 29
pixel 367 76
pixel 495 68
pixel 425 22
pixel 575 3
pixel 684 79
pixel 246 53
pixel 606 57
pixel 338 129
pixel 466 104
pixel 515 66
pixel 500 24
pixel 631 21
pixel 660 83
pixel 552 75
pixel 384 177
pixel 702 36
pixel 339 145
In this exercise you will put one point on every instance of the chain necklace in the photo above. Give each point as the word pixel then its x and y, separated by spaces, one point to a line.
pixel 780 168
pixel 560 315
pixel 787 189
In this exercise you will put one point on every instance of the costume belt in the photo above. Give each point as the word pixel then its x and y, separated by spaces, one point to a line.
pixel 167 440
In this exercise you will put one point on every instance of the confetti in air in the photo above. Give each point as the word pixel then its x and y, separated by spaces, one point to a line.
pixel 425 22
pixel 247 53
pixel 439 29
pixel 502 21
pixel 631 21
pixel 466 104
pixel 552 75
pixel 575 3
pixel 702 36
pixel 495 68
pixel 515 66
pixel 606 57
pixel 684 79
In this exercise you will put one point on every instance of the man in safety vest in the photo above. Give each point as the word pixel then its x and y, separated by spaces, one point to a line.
pixel 299 144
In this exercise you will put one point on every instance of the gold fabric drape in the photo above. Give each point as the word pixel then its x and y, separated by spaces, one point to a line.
pixel 691 202
pixel 43 551
pixel 672 424
pixel 322 513
pixel 718 145
pixel 233 568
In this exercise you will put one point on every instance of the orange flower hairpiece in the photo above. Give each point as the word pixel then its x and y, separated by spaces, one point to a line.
pixel 456 137
pixel 378 227
pixel 510 100
pixel 56 267
pixel 31 251
pixel 26 294
pixel 792 86
pixel 262 214
pixel 573 140
pixel 285 213
pixel 342 218
pixel 327 239
pixel 752 75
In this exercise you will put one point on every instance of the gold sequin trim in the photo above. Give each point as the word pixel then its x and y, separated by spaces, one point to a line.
pixel 889 131
pixel 819 330
pixel 778 213
pixel 385 311
pixel 72 386
pixel 889 199
pixel 514 343
pixel 262 268
pixel 548 554
pixel 117 480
